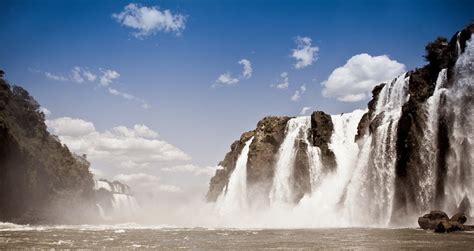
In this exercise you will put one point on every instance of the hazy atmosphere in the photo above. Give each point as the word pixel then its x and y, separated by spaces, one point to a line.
pixel 370 106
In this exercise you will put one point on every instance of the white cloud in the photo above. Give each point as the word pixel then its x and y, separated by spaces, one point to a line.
pixel 89 76
pixel 284 83
pixel 79 75
pixel 225 79
pixel 150 20
pixel 45 111
pixel 193 169
pixel 119 146
pixel 76 75
pixel 70 127
pixel 297 96
pixel 304 54
pixel 305 110
pixel 247 72
pixel 108 76
pixel 55 77
pixel 355 80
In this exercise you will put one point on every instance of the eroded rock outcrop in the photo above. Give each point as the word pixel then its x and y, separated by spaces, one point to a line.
pixel 441 223
pixel 321 132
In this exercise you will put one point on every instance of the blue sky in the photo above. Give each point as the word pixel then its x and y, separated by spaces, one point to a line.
pixel 173 71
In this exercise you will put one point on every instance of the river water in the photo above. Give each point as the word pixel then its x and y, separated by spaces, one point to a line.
pixel 132 236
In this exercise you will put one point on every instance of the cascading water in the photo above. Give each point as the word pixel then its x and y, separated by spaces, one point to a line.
pixel 234 196
pixel 430 144
pixel 460 103
pixel 371 191
pixel 360 190
pixel 282 192
pixel 122 203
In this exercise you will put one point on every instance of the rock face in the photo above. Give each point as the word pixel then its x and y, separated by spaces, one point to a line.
pixel 321 131
pixel 268 136
pixel 410 165
pixel 41 181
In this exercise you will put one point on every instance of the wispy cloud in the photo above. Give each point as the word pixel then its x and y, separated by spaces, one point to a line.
pixel 304 54
pixel 105 78
pixel 305 110
pixel 55 77
pixel 297 96
pixel 284 82
pixel 150 20
pixel 192 169
pixel 226 79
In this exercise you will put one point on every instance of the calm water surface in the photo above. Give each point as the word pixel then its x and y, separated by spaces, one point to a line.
pixel 117 236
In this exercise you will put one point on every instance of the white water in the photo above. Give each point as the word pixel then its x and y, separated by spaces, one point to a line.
pixel 430 144
pixel 234 196
pixel 460 103
pixel 282 189
pixel 124 205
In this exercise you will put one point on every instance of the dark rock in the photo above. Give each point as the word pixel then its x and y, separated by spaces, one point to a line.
pixel 363 126
pixel 321 132
pixel 448 226
pixel 459 217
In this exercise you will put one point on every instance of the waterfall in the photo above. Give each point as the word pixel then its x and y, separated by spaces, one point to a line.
pixel 460 104
pixel 119 204
pixel 371 191
pixel 425 194
pixel 234 196
pixel 282 192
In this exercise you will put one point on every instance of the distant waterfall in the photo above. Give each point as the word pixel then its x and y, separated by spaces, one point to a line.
pixel 234 196
pixel 460 103
pixel 119 203
pixel 282 192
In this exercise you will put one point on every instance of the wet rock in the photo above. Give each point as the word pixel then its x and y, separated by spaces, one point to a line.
pixel 459 217
pixel 441 223
pixel 321 132
pixel 221 177
pixel 269 135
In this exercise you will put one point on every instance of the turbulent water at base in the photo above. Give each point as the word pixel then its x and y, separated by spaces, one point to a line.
pixel 162 238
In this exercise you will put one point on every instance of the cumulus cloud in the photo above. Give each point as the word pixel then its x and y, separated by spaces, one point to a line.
pixel 284 82
pixel 150 20
pixel 297 96
pixel 192 169
pixel 304 54
pixel 70 127
pixel 55 77
pixel 355 80
pixel 247 72
pixel 120 146
pixel 305 110
pixel 226 79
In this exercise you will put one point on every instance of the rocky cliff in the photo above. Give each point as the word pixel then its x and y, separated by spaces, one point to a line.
pixel 40 179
